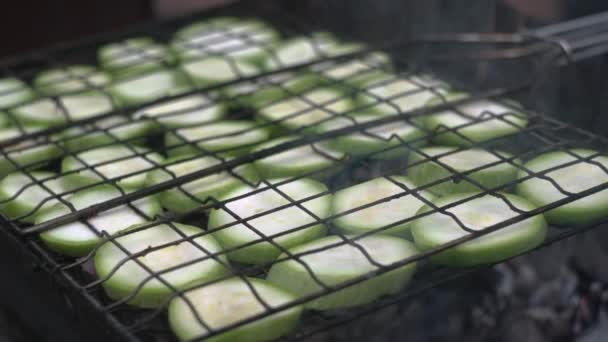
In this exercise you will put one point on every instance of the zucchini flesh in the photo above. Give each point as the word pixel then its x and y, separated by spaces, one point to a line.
pixel 124 282
pixel 227 302
pixel 211 70
pixel 380 214
pixel 32 154
pixel 437 229
pixel 297 161
pixel 183 111
pixel 428 171
pixel 335 265
pixel 356 71
pixel 147 87
pixel 45 112
pixel 575 178
pixel 70 79
pixel 12 92
pixel 493 127
pixel 211 186
pixel 78 239
pixel 21 198
pixel 233 137
pixel 112 166
pixel 134 56
pixel 291 217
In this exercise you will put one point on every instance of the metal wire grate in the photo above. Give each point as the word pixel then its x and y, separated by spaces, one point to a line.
pixel 542 134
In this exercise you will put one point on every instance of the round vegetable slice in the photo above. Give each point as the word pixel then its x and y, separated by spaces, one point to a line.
pixel 334 265
pixel 190 195
pixel 182 112
pixel 29 153
pixel 243 39
pixel 234 137
pixel 272 221
pixel 77 238
pixel 21 198
pixel 297 161
pixel 147 87
pixel 46 112
pixel 277 86
pixel 134 56
pixel 110 162
pixel 12 92
pixel 379 215
pixel 226 303
pixel 211 70
pixel 492 171
pixel 437 229
pixel 70 79
pixel 131 280
pixel 307 110
pixel 387 137
pixel 575 178
pixel 107 131
pixel 503 120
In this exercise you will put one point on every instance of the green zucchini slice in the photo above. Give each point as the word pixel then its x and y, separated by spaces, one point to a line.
pixel 390 211
pixel 180 199
pixel 492 171
pixel 437 229
pixel 78 239
pixel 308 110
pixel 31 153
pixel 70 79
pixel 297 161
pixel 513 121
pixel 22 199
pixel 227 302
pixel 132 280
pixel 183 112
pixel 134 56
pixel 148 87
pixel 13 92
pixel 387 137
pixel 574 178
pixel 46 112
pixel 272 222
pixel 335 265
pixel 210 70
pixel 234 137
pixel 110 162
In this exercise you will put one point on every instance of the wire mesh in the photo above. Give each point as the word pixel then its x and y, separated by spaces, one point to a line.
pixel 541 134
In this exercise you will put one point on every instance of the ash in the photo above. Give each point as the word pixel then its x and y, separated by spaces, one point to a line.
pixel 558 293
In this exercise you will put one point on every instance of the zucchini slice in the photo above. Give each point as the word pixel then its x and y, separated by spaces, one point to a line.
pixel 391 211
pixel 355 71
pixel 21 198
pixel 134 56
pixel 574 178
pixel 437 229
pixel 31 154
pixel 308 110
pixel 387 137
pixel 247 40
pixel 13 92
pixel 513 120
pixel 213 70
pixel 110 162
pixel 227 302
pixel 234 137
pixel 70 79
pixel 183 112
pixel 46 112
pixel 148 87
pixel 131 279
pixel 297 161
pixel 334 265
pixel 78 239
pixel 180 199
pixel 112 130
pixel 429 171
pixel 278 86
pixel 272 222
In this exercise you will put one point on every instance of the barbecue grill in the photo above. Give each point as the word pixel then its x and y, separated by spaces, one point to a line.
pixel 56 290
